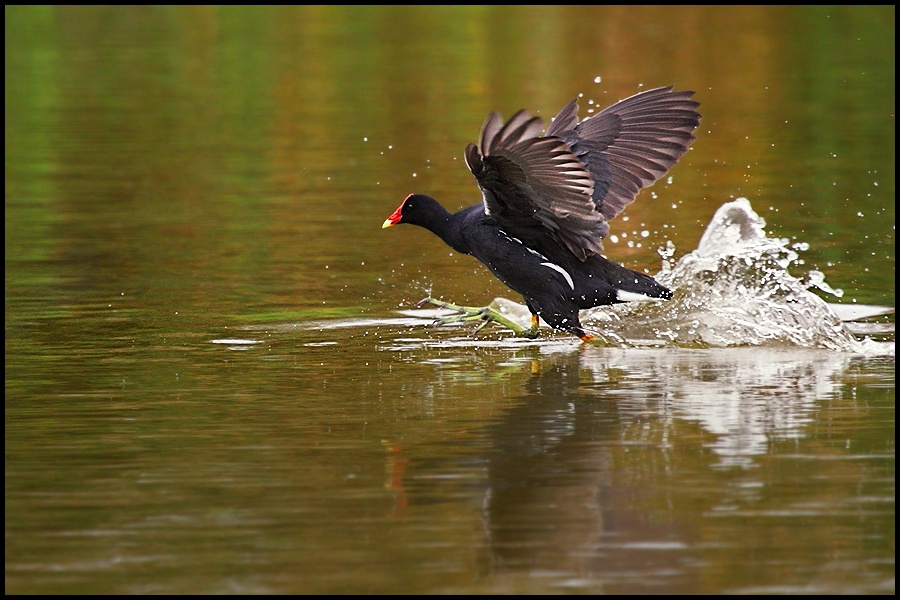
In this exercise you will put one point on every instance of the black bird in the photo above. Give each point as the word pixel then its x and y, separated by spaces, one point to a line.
pixel 547 201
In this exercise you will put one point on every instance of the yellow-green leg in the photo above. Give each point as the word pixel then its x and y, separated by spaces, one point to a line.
pixel 485 314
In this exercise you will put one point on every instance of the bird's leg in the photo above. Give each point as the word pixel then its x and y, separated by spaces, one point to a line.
pixel 532 332
pixel 485 314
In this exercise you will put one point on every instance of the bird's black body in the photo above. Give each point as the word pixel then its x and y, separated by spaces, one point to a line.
pixel 533 267
pixel 547 200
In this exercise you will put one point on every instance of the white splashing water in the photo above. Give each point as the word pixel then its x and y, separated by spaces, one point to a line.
pixel 733 290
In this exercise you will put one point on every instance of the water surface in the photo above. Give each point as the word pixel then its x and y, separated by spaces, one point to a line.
pixel 214 383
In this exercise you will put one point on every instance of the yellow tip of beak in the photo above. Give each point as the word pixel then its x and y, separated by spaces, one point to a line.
pixel 387 223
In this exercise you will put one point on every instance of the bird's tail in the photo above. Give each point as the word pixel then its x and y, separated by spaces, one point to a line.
pixel 631 286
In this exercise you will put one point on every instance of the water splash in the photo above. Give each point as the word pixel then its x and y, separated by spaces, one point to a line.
pixel 733 290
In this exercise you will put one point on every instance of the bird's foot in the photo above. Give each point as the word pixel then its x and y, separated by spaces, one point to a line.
pixel 484 314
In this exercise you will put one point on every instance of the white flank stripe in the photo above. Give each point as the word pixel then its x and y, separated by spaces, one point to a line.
pixel 563 271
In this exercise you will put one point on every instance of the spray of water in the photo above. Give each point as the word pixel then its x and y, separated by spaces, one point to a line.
pixel 733 290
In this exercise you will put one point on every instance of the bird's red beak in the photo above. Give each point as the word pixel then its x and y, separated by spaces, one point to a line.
pixel 394 218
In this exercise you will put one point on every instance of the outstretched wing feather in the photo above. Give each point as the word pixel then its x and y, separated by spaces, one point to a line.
pixel 579 175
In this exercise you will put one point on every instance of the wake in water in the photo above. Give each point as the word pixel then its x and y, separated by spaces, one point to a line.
pixel 733 290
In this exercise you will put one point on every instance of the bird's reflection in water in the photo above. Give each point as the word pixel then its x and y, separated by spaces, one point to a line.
pixel 602 472
pixel 607 468
pixel 542 508
pixel 555 493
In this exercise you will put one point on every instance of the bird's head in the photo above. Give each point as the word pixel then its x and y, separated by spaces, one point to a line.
pixel 409 210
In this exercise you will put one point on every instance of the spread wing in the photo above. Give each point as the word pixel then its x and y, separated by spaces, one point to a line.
pixel 531 181
pixel 576 177
pixel 631 144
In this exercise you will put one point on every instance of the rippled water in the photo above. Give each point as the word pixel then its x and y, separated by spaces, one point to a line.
pixel 218 381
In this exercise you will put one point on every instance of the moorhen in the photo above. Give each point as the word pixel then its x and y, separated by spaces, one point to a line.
pixel 547 200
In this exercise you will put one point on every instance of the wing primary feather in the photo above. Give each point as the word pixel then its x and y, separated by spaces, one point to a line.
pixel 580 174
